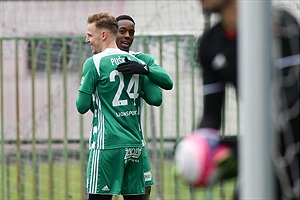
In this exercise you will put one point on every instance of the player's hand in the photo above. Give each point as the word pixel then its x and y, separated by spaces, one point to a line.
pixel 132 67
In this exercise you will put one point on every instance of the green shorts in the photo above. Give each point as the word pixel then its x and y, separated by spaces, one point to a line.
pixel 147 170
pixel 115 171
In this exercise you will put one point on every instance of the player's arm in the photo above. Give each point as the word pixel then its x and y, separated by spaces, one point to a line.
pixel 87 86
pixel 92 108
pixel 213 91
pixel 212 106
pixel 157 74
pixel 81 102
pixel 153 70
pixel 151 93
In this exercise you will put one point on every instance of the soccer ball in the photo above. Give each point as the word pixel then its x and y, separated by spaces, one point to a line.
pixel 196 159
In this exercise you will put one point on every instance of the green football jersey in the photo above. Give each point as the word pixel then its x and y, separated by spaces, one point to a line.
pixel 116 100
pixel 157 74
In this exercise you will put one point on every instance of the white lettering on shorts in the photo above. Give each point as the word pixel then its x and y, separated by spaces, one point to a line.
pixel 148 176
pixel 132 154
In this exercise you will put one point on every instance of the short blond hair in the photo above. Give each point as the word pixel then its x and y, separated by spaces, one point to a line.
pixel 104 20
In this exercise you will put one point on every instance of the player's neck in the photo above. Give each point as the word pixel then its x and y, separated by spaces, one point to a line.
pixel 229 18
pixel 111 44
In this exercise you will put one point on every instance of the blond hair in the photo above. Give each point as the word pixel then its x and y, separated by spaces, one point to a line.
pixel 104 20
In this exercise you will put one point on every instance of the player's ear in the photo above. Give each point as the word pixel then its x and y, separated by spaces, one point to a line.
pixel 103 34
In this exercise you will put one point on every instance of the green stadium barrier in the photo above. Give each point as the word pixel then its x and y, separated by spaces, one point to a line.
pixel 43 146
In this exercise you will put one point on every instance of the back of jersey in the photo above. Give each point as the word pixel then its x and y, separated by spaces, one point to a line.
pixel 117 97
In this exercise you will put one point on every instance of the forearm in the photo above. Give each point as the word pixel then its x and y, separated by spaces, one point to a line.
pixel 212 111
pixel 160 77
pixel 83 102
pixel 92 108
pixel 152 94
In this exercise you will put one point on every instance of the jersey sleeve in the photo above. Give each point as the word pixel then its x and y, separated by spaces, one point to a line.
pixel 89 77
pixel 213 90
pixel 81 102
pixel 87 86
pixel 151 93
pixel 157 74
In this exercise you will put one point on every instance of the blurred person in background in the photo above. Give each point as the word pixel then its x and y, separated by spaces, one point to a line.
pixel 217 56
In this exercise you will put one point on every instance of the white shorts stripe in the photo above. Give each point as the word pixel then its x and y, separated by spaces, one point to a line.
pixel 94 172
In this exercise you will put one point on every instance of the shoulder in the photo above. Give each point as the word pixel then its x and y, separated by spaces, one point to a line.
pixel 144 56
pixel 215 29
pixel 133 56
pixel 90 59
pixel 89 67
pixel 134 52
pixel 212 34
pixel 88 62
pixel 140 54
pixel 108 52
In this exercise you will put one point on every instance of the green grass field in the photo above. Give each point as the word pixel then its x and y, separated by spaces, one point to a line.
pixel 27 180
pixel 173 188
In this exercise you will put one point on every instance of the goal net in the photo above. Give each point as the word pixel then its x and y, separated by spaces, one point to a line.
pixel 286 109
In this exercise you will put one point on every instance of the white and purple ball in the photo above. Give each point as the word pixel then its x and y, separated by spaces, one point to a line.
pixel 193 160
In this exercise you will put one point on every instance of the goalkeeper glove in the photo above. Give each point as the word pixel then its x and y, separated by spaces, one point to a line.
pixel 132 67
